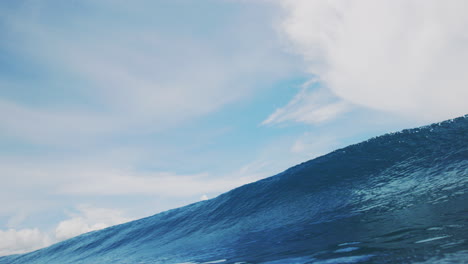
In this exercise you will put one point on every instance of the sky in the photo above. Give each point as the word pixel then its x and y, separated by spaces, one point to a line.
pixel 115 110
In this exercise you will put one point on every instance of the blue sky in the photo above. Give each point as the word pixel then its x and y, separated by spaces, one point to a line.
pixel 115 110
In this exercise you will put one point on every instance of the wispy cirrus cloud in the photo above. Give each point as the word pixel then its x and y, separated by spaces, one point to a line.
pixel 130 75
pixel 312 105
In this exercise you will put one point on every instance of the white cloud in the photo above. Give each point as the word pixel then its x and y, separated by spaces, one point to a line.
pixel 404 57
pixel 88 219
pixel 84 219
pixel 311 106
pixel 14 241
pixel 204 197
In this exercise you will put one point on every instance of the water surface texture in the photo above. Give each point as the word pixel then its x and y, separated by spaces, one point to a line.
pixel 398 198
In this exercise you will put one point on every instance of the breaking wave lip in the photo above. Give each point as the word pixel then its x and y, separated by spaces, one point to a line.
pixel 398 198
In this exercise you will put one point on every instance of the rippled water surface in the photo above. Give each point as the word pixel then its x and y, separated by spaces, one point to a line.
pixel 399 198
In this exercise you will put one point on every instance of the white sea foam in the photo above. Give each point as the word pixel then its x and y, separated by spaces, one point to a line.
pixel 215 261
pixel 344 260
pixel 347 249
pixel 431 239
pixel 348 243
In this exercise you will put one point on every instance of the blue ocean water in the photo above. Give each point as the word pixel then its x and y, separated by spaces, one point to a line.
pixel 398 198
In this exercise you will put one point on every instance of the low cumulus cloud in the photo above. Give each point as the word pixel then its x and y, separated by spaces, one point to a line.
pixel 403 57
pixel 83 219
pixel 87 219
pixel 16 241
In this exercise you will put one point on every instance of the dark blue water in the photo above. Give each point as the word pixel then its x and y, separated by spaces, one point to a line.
pixel 398 198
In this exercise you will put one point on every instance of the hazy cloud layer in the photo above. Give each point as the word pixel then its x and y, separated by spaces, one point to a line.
pixel 404 57
pixel 106 177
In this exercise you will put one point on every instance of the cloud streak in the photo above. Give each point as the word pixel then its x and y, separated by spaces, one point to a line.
pixel 111 182
pixel 310 106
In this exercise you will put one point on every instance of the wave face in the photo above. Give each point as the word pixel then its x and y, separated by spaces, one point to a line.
pixel 398 198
